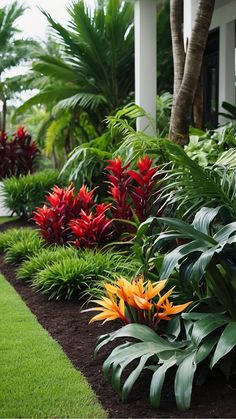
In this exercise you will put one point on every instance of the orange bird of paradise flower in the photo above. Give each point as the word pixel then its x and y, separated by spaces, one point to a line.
pixel 135 301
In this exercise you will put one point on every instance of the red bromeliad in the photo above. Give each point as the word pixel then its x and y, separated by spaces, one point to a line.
pixel 64 205
pixel 17 155
pixel 133 191
pixel 145 192
pixel 119 184
pixel 92 228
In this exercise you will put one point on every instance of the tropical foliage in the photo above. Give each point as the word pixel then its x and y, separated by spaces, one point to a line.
pixel 23 195
pixel 14 50
pixel 18 154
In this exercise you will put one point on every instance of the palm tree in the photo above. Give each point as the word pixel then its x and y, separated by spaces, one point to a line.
pixel 96 71
pixel 187 69
pixel 12 52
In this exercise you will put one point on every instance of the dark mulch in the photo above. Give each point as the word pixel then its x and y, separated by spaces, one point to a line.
pixel 70 328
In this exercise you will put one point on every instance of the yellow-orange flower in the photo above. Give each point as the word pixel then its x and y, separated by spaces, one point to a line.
pixel 165 308
pixel 136 293
pixel 110 310
pixel 135 301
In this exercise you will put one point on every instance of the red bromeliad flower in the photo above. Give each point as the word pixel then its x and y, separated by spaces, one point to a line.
pixel 17 155
pixel 144 193
pixel 21 133
pixel 92 229
pixel 133 191
pixel 64 205
pixel 119 181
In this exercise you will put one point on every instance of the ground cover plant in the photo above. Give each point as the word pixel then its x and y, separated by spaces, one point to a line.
pixel 43 258
pixel 86 271
pixel 33 367
pixel 13 235
pixel 22 195
pixel 24 248
pixel 18 154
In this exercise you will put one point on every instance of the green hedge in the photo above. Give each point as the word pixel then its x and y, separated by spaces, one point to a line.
pixel 22 195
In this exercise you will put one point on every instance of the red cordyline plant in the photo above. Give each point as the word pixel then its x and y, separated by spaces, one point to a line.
pixel 134 192
pixel 93 228
pixel 18 154
pixel 62 206
pixel 70 217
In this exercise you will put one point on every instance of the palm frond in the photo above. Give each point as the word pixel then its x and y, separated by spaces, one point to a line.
pixel 55 133
pixel 189 186
pixel 46 97
pixel 55 67
pixel 83 100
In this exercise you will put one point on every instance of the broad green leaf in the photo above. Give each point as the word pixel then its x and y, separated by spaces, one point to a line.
pixel 198 268
pixel 133 377
pixel 157 382
pixel 144 227
pixel 194 316
pixel 204 218
pixel 206 348
pixel 226 343
pixel 183 227
pixel 135 351
pixel 172 259
pixel 225 232
pixel 140 332
pixel 207 325
pixel 184 381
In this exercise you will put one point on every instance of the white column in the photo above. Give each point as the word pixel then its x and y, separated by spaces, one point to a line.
pixel 227 65
pixel 145 61
pixel 190 11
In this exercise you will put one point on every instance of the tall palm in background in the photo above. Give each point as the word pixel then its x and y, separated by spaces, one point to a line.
pixel 95 71
pixel 89 72
pixel 13 51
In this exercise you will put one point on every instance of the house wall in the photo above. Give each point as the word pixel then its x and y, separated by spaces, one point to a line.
pixel 145 62
pixel 224 17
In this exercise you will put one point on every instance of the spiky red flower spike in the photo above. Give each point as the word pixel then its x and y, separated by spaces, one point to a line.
pixel 63 206
pixel 143 194
pixel 119 181
pixel 92 229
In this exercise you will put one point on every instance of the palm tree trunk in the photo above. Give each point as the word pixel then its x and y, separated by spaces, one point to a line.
pixel 4 115
pixel 182 106
pixel 176 22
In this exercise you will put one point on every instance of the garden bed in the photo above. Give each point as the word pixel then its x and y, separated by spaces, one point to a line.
pixel 70 328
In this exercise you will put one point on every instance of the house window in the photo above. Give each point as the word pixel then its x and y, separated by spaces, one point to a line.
pixel 210 80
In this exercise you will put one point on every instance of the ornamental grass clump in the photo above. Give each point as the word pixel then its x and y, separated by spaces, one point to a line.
pixel 24 248
pixel 85 271
pixel 44 258
pixel 24 194
pixel 14 235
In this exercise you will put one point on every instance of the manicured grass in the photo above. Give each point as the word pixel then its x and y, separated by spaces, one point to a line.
pixel 5 219
pixel 37 379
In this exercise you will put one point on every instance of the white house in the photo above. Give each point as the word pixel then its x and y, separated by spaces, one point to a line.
pixel 219 61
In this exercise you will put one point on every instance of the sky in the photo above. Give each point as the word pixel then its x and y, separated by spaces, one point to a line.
pixel 34 23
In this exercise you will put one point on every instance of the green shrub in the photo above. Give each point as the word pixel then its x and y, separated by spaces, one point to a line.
pixel 22 195
pixel 70 275
pixel 13 235
pixel 23 248
pixel 42 260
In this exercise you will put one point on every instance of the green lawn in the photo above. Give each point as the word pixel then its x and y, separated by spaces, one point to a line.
pixel 36 378
pixel 5 219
